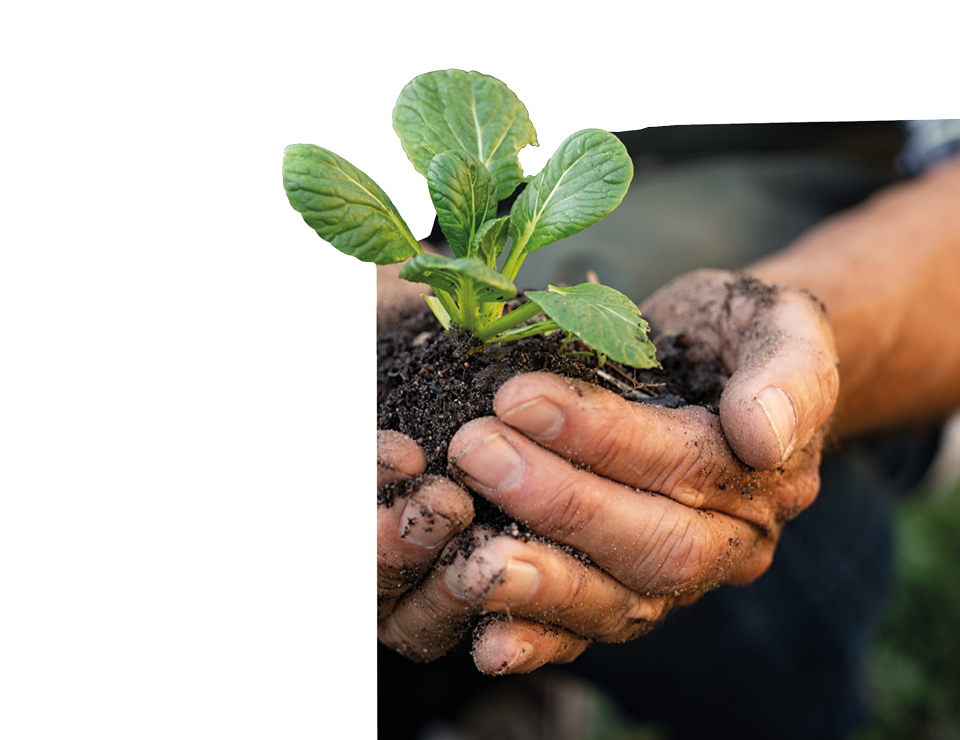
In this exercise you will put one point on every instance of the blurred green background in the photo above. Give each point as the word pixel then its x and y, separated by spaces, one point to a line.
pixel 914 672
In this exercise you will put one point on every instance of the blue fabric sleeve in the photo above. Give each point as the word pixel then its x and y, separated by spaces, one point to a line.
pixel 928 143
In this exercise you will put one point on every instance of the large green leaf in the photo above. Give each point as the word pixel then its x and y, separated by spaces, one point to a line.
pixel 462 193
pixel 464 111
pixel 603 318
pixel 344 206
pixel 585 179
pixel 459 276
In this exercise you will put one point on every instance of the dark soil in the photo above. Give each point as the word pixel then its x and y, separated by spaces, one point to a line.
pixel 429 384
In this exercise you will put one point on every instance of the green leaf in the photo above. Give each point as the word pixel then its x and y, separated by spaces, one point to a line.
pixel 462 193
pixel 468 112
pixel 458 277
pixel 490 240
pixel 584 180
pixel 344 206
pixel 603 318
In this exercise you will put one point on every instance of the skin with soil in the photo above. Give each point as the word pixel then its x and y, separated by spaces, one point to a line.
pixel 706 505
pixel 429 384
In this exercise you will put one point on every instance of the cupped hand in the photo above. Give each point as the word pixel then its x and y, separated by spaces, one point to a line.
pixel 429 596
pixel 436 576
pixel 669 503
pixel 414 520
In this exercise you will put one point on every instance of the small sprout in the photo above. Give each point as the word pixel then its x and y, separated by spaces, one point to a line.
pixel 463 132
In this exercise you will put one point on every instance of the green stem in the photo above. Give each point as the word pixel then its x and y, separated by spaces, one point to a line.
pixel 447 302
pixel 541 327
pixel 515 258
pixel 468 310
pixel 490 313
pixel 520 314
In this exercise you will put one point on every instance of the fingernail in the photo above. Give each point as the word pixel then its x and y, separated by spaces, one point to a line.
pixel 539 418
pixel 776 405
pixel 453 577
pixel 492 462
pixel 420 525
pixel 516 583
pixel 520 579
pixel 523 654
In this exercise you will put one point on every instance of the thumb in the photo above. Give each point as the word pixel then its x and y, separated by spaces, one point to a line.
pixel 785 385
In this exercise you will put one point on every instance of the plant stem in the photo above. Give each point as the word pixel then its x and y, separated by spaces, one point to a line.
pixel 447 302
pixel 520 314
pixel 468 310
pixel 541 327
pixel 490 313
pixel 515 258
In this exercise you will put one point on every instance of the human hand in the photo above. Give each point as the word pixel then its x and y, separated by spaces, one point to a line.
pixel 419 615
pixel 415 520
pixel 669 502
pixel 424 614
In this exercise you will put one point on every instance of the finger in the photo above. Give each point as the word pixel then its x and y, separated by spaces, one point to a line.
pixel 411 532
pixel 650 543
pixel 503 646
pixel 681 453
pixel 786 382
pixel 677 452
pixel 774 342
pixel 429 621
pixel 538 580
pixel 640 445
pixel 398 457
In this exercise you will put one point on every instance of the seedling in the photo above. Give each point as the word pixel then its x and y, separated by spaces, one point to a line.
pixel 463 131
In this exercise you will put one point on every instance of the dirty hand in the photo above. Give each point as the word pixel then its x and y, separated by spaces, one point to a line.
pixel 667 503
pixel 414 520
pixel 421 609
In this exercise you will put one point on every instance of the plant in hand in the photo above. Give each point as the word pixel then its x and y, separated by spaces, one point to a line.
pixel 463 132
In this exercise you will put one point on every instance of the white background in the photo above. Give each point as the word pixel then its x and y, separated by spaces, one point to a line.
pixel 186 406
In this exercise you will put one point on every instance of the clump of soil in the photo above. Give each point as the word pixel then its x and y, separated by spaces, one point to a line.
pixel 429 383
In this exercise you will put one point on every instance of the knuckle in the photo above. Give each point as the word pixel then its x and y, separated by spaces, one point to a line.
pixel 570 648
pixel 391 633
pixel 690 557
pixel 800 495
pixel 422 628
pixel 755 565
pixel 622 626
pixel 824 371
pixel 566 511
pixel 609 443
pixel 679 560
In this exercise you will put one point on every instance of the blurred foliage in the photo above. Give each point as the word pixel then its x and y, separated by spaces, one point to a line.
pixel 610 723
pixel 914 670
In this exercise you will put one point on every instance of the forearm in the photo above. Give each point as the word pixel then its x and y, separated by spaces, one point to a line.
pixel 888 272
